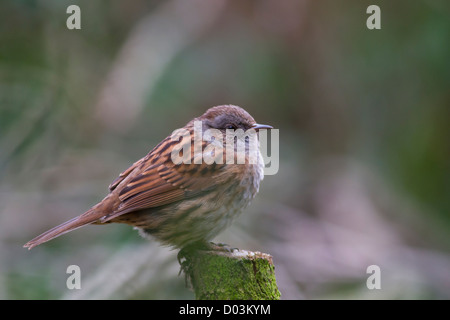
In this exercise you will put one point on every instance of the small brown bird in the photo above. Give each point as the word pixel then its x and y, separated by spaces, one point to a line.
pixel 181 202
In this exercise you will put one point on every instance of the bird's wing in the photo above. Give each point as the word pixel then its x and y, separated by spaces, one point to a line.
pixel 124 174
pixel 161 182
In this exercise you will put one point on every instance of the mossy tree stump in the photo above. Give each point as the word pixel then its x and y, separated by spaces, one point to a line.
pixel 231 275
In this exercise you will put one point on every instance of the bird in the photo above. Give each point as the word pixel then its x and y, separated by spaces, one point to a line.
pixel 181 201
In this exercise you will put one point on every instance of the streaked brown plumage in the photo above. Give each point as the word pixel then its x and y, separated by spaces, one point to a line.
pixel 178 204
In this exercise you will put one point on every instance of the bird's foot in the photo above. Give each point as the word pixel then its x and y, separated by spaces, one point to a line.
pixel 186 254
pixel 223 247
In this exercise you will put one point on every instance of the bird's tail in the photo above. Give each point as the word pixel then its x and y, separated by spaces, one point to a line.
pixel 86 218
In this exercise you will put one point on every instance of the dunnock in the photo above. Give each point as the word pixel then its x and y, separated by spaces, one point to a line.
pixel 180 202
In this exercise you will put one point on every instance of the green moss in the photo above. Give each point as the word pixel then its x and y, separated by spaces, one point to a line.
pixel 223 276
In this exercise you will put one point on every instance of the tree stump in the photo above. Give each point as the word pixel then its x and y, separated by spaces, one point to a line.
pixel 231 275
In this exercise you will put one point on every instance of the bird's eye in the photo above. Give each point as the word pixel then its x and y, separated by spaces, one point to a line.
pixel 230 126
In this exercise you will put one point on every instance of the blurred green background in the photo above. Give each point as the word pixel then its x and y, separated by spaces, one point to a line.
pixel 363 115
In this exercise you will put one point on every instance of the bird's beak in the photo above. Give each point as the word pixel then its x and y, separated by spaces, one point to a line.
pixel 258 126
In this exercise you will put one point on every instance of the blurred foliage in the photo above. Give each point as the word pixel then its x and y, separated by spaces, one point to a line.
pixel 363 118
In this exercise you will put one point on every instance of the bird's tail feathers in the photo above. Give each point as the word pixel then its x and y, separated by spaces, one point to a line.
pixel 75 223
